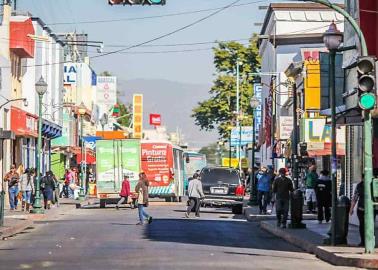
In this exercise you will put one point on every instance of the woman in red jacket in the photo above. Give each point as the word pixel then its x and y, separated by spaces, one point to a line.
pixel 125 191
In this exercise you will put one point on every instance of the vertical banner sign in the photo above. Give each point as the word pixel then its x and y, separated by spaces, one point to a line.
pixel 258 111
pixel 106 95
pixel 155 119
pixel 137 116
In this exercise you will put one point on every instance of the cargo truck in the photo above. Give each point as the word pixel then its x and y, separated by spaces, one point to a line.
pixel 115 159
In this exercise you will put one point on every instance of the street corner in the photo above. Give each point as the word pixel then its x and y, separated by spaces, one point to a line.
pixel 13 226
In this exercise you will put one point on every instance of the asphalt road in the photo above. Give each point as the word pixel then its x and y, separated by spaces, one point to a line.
pixel 94 238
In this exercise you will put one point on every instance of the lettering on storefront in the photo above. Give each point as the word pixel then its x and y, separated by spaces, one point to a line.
pixel 70 74
pixel 317 131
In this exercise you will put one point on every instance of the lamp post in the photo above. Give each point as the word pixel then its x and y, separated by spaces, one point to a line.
pixel 332 39
pixel 41 88
pixel 254 102
pixel 81 111
pixel 238 116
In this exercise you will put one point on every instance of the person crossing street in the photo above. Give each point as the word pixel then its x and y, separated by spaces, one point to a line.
pixel 125 191
pixel 195 193
pixel 142 190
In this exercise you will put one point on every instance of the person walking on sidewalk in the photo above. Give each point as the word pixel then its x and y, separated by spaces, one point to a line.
pixel 195 193
pixel 263 189
pixel 282 187
pixel 311 179
pixel 48 187
pixel 13 179
pixel 358 199
pixel 27 189
pixel 142 190
pixel 323 196
pixel 125 191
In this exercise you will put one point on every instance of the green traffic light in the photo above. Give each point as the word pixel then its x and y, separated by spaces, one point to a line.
pixel 367 101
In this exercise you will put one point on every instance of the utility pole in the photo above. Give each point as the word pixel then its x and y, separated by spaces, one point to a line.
pixel 294 146
pixel 238 128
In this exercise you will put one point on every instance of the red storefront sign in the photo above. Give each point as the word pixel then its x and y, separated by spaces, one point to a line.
pixel 90 157
pixel 157 163
pixel 155 119
pixel 24 123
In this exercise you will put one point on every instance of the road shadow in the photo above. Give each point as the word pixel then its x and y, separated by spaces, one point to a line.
pixel 225 233
pixel 223 213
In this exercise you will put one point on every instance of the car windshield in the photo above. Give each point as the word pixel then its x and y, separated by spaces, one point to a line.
pixel 215 176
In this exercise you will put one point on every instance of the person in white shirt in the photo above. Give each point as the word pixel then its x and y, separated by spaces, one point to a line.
pixel 195 193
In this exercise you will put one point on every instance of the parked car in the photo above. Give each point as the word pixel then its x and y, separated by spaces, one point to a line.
pixel 223 187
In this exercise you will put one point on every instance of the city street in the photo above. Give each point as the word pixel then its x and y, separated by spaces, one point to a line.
pixel 94 238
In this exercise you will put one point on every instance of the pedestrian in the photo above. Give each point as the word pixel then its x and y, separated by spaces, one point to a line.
pixel 323 196
pixel 27 189
pixel 72 182
pixel 195 193
pixel 311 179
pixel 263 189
pixel 125 191
pixel 56 190
pixel 142 190
pixel 282 187
pixel 65 184
pixel 47 187
pixel 358 199
pixel 13 178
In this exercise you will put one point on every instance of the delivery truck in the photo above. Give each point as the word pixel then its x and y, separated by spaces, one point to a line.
pixel 115 159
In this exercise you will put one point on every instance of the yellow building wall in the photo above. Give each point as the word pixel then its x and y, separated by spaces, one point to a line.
pixel 312 85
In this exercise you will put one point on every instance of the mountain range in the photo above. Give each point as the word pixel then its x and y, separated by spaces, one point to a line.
pixel 174 101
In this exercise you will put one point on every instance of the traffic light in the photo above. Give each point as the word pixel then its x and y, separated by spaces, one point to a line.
pixel 116 111
pixel 366 82
pixel 136 2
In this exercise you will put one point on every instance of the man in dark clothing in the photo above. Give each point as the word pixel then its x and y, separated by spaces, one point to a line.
pixel 323 193
pixel 282 187
pixel 358 198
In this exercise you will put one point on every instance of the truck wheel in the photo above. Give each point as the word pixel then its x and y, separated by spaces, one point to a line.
pixel 102 203
pixel 237 209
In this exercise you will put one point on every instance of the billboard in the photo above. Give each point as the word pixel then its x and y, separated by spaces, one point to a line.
pixel 137 116
pixel 155 119
pixel 241 135
pixel 106 95
pixel 157 163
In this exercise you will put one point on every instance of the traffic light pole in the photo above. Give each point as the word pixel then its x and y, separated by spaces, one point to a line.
pixel 294 147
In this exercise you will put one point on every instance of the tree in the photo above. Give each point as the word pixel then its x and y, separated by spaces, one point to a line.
pixel 125 116
pixel 212 153
pixel 218 111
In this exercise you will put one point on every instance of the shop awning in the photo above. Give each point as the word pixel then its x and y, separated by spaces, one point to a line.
pixel 326 150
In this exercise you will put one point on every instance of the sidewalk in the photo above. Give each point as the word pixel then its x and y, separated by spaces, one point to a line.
pixel 17 221
pixel 252 214
pixel 311 240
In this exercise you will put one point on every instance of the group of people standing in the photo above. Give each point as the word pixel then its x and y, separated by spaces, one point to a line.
pixel 22 186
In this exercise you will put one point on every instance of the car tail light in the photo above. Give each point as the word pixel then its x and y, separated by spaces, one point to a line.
pixel 240 190
pixel 103 196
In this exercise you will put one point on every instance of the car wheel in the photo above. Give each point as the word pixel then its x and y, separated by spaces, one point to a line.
pixel 237 209
pixel 102 203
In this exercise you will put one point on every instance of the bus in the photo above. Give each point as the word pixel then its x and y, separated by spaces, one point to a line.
pixel 163 164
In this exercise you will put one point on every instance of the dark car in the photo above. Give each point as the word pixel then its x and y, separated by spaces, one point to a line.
pixel 223 188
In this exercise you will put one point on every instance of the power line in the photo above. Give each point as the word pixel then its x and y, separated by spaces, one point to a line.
pixel 172 32
pixel 154 16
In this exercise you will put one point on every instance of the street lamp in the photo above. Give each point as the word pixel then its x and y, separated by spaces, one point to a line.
pixel 81 111
pixel 332 39
pixel 255 103
pixel 40 88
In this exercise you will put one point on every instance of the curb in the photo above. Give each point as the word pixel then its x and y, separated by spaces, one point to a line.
pixel 6 232
pixel 320 251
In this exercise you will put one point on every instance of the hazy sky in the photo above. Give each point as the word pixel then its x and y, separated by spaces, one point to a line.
pixel 196 67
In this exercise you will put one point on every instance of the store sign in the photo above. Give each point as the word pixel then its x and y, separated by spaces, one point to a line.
pixel 155 119
pixel 70 73
pixel 234 162
pixel 137 116
pixel 257 88
pixel 317 131
pixel 90 142
pixel 241 136
pixel 106 95
pixel 286 127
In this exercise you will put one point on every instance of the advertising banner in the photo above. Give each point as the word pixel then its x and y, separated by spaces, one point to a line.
pixel 257 88
pixel 286 127
pixel 157 163
pixel 106 95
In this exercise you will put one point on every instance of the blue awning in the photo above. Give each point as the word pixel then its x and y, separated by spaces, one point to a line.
pixel 51 130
